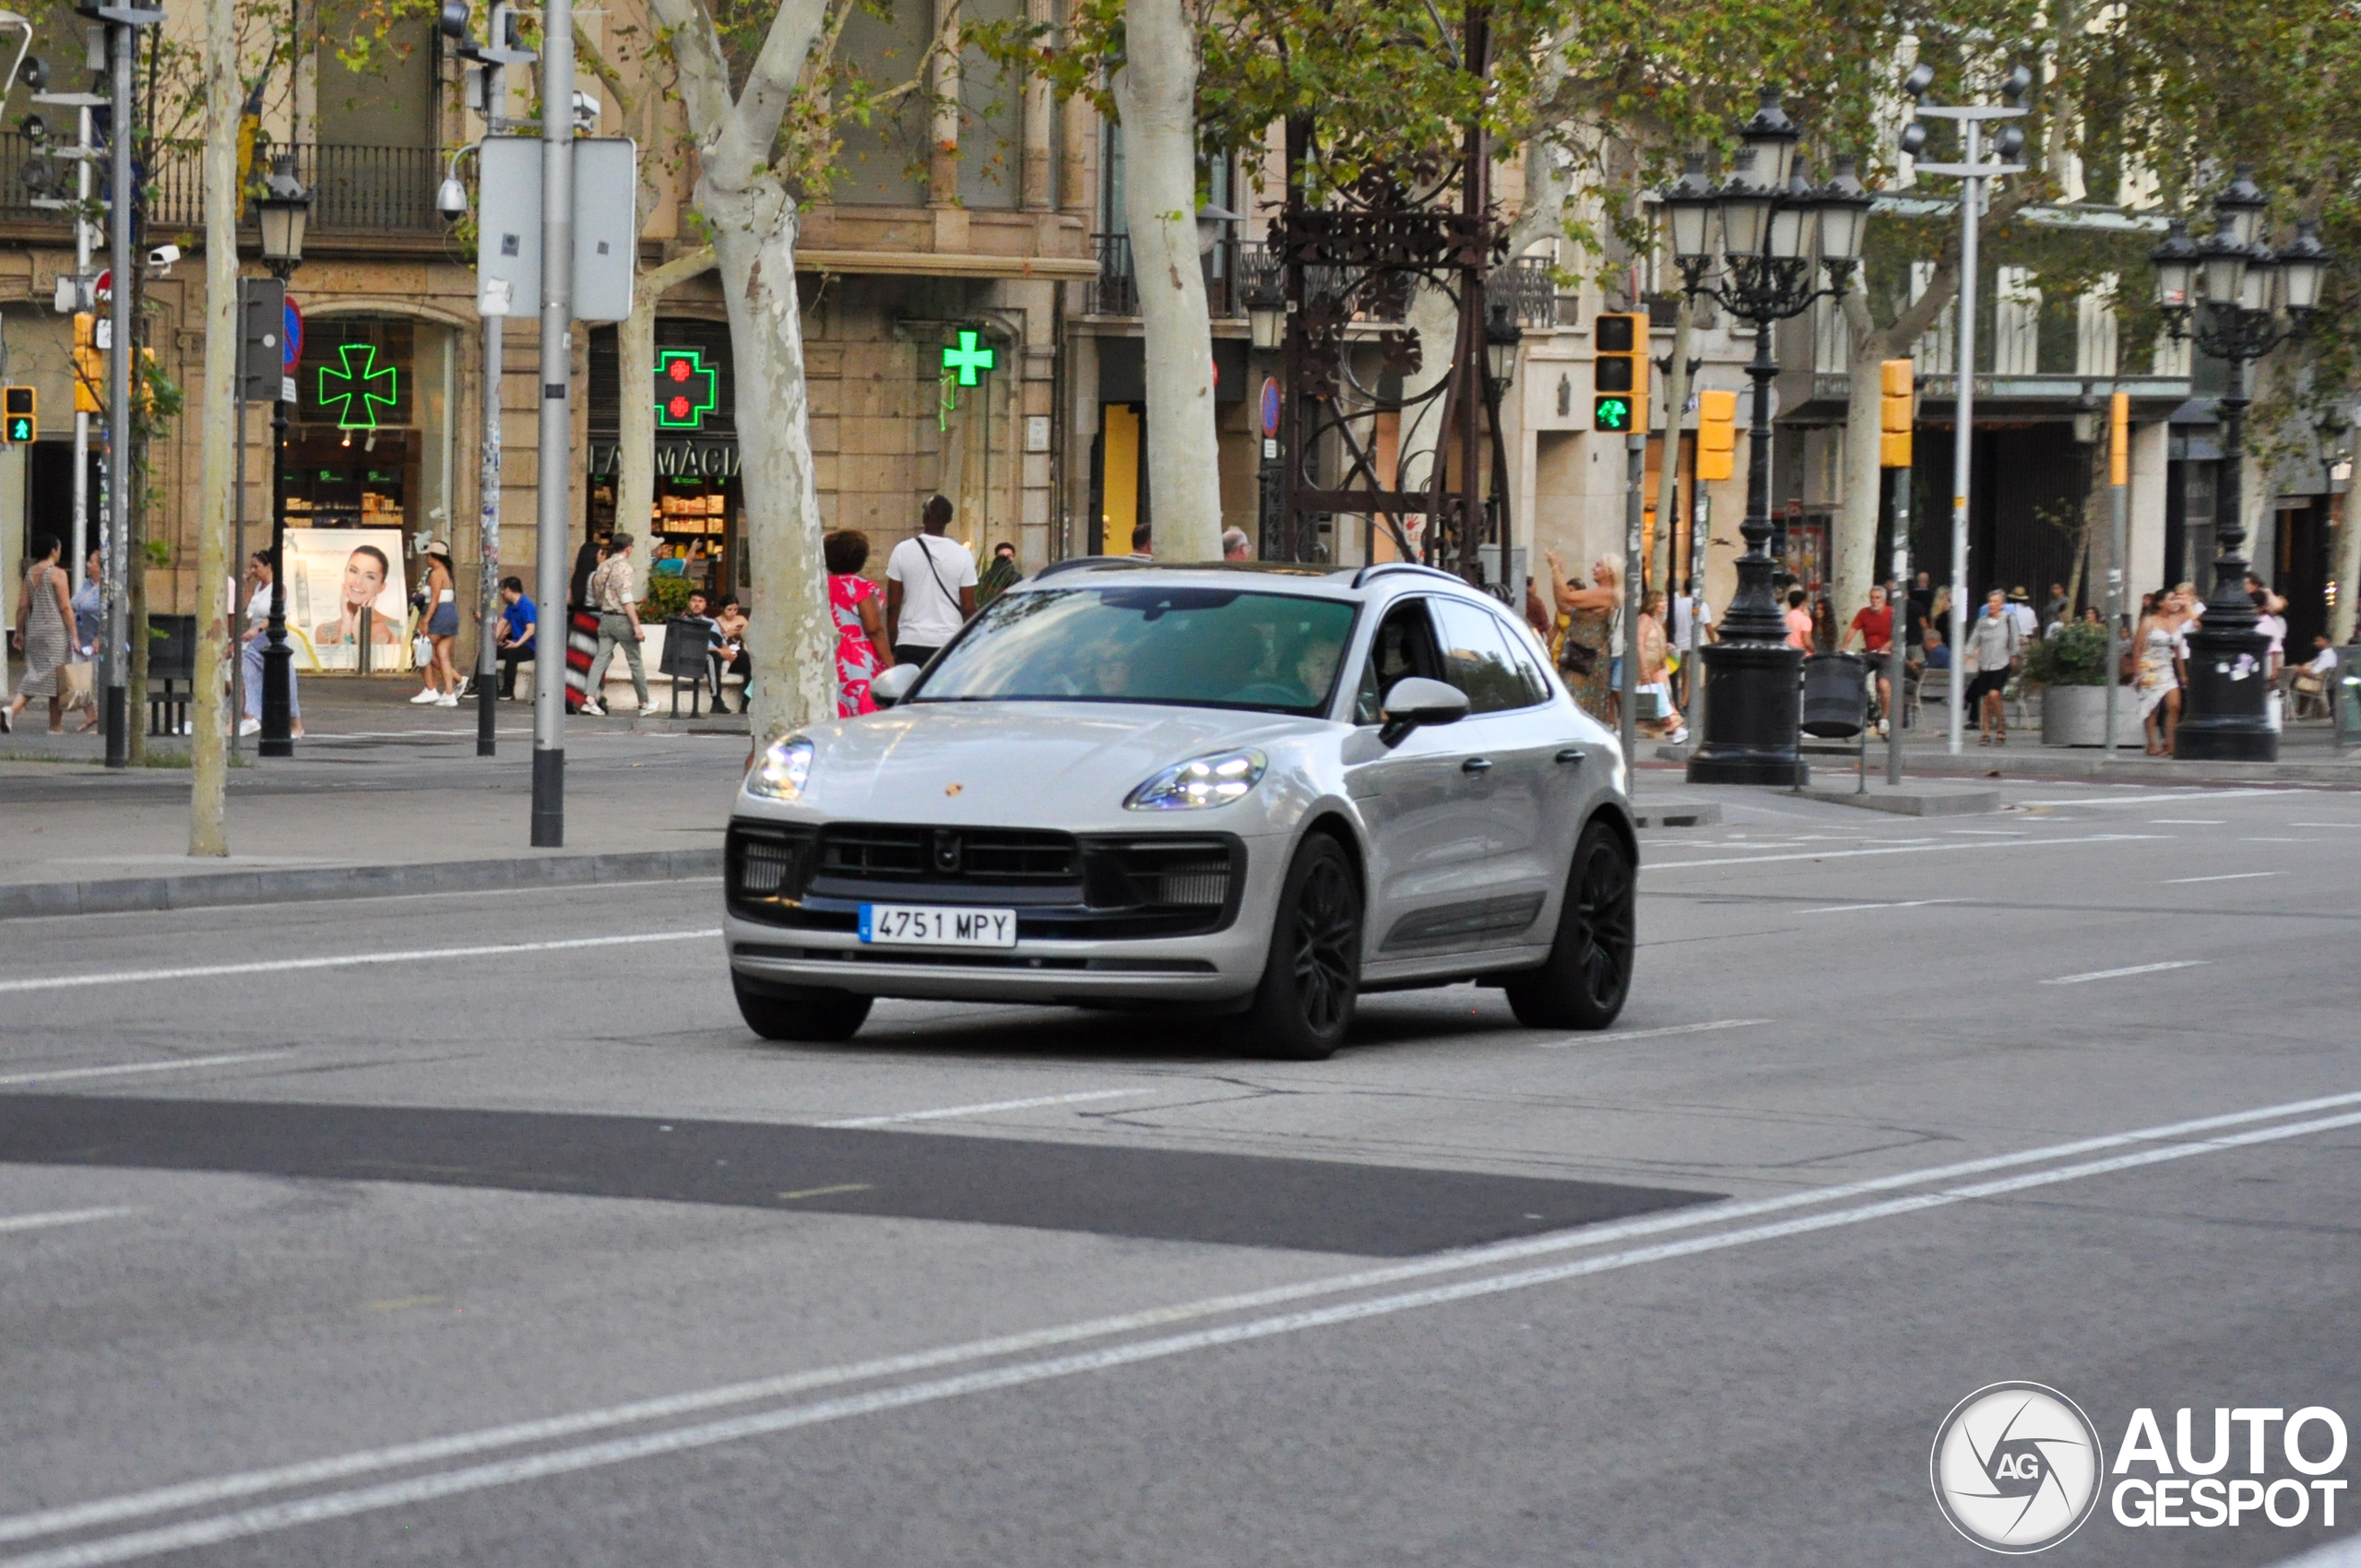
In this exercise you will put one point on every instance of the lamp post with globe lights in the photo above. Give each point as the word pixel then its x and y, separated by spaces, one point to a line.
pixel 1754 245
pixel 2239 300
pixel 281 214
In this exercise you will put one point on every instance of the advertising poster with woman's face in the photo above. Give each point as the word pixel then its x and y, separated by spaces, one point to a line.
pixel 333 576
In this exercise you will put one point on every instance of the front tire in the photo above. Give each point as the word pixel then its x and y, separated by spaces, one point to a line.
pixel 798 1014
pixel 1589 975
pixel 1303 1009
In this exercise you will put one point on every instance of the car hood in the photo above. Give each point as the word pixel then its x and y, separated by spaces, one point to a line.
pixel 1045 764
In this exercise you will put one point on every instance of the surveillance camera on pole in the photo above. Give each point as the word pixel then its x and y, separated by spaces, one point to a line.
pixel 2006 145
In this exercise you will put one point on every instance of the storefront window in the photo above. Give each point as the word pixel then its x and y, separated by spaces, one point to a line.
pixel 355 455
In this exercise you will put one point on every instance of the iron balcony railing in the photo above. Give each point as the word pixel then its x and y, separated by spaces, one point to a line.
pixel 368 189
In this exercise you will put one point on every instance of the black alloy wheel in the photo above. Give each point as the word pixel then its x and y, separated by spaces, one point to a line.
pixel 1303 1009
pixel 1588 974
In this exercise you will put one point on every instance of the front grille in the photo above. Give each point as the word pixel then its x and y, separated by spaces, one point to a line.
pixel 893 852
pixel 765 865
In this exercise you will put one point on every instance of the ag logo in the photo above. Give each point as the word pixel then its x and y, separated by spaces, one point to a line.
pixel 2016 1467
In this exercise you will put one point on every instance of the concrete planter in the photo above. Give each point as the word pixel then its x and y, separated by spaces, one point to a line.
pixel 2076 716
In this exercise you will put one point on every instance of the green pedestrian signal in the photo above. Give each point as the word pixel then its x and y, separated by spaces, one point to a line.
pixel 1612 413
pixel 22 415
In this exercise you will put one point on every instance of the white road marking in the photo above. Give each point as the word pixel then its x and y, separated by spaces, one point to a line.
pixel 344 960
pixel 986 1109
pixel 2134 969
pixel 273 1517
pixel 2187 821
pixel 2226 876
pixel 1989 832
pixel 1905 904
pixel 2324 824
pixel 2144 800
pixel 1906 850
pixel 61 1074
pixel 1649 1034
pixel 60 1216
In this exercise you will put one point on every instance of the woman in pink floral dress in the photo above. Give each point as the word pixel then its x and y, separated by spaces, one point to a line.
pixel 860 627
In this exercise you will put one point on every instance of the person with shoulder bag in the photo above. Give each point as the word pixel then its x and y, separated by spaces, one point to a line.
pixel 1994 647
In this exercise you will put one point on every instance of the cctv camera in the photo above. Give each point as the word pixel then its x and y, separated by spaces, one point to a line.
pixel 586 109
pixel 163 256
pixel 451 200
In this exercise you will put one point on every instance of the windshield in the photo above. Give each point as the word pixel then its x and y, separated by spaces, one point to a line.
pixel 1185 647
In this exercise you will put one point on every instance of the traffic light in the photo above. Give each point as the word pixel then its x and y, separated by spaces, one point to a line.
pixel 1897 381
pixel 1716 435
pixel 1619 373
pixel 262 326
pixel 89 366
pixel 19 414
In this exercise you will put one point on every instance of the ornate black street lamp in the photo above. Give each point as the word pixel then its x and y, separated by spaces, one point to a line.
pixel 281 214
pixel 2239 300
pixel 1776 231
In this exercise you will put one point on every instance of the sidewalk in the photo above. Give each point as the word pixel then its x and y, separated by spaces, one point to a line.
pixel 2308 754
pixel 381 798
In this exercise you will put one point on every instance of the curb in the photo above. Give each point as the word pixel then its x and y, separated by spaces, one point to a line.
pixel 1675 813
pixel 1953 801
pixel 202 890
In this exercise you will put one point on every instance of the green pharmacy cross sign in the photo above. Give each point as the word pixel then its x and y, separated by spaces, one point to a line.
pixel 361 377
pixel 686 389
pixel 968 358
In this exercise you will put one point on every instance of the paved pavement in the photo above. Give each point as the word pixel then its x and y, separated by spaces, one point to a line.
pixel 570 1269
pixel 376 782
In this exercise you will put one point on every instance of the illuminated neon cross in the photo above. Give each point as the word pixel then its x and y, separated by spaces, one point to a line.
pixel 686 389
pixel 360 392
pixel 968 358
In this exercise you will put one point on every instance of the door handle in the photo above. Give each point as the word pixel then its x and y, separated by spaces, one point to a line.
pixel 1476 765
pixel 1572 754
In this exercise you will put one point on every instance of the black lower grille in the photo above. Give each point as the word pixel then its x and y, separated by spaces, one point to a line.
pixel 1167 872
pixel 765 865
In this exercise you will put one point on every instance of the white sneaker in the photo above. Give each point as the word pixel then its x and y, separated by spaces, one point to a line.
pixel 250 727
pixel 1678 737
pixel 593 710
pixel 448 699
pixel 650 710
pixel 429 695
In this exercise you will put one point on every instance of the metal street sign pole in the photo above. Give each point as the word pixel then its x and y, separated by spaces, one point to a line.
pixel 1897 610
pixel 556 465
pixel 1627 698
pixel 1974 171
pixel 114 657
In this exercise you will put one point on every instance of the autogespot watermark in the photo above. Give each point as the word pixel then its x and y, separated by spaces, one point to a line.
pixel 2017 1468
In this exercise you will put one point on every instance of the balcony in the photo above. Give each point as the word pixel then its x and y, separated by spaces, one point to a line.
pixel 356 190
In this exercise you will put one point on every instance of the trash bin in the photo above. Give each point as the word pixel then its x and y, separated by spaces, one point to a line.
pixel 2344 697
pixel 1834 693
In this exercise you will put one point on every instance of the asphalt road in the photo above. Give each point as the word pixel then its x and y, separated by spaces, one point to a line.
pixel 573 1270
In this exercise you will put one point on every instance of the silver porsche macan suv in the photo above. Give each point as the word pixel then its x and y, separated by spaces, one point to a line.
pixel 1256 791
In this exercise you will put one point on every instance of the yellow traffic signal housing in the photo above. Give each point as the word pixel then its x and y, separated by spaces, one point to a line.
pixel 1897 381
pixel 19 414
pixel 1619 373
pixel 1716 435
pixel 89 366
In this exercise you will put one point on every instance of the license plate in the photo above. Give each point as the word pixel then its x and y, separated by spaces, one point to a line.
pixel 931 925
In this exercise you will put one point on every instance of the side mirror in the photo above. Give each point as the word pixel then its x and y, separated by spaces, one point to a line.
pixel 1413 702
pixel 890 687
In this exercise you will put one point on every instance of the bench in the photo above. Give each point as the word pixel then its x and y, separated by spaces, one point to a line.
pixel 171 672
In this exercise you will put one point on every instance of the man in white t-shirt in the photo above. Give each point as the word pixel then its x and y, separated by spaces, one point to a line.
pixel 930 588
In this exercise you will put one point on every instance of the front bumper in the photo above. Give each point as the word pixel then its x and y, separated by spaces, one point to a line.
pixel 1072 947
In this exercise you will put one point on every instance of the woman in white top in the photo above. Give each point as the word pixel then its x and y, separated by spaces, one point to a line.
pixel 254 641
pixel 2157 642
pixel 441 628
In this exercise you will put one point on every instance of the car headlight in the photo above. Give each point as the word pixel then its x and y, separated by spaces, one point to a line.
pixel 780 774
pixel 1211 780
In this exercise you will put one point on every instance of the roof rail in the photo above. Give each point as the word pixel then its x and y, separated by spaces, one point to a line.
pixel 1380 568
